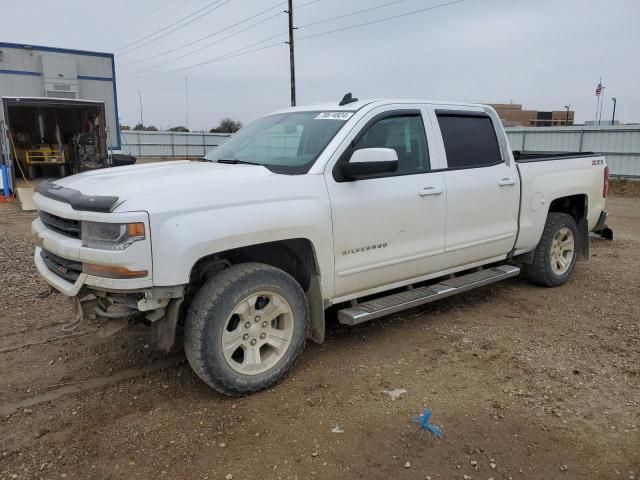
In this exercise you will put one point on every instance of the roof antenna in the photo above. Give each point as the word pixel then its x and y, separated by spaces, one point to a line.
pixel 348 98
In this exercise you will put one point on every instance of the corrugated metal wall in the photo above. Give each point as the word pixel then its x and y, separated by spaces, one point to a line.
pixel 620 143
pixel 169 144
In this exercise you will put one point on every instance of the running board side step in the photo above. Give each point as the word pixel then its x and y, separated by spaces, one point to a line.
pixel 397 302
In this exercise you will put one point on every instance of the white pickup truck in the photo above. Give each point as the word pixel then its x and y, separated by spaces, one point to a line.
pixel 368 206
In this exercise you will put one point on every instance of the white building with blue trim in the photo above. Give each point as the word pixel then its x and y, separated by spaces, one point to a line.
pixel 37 71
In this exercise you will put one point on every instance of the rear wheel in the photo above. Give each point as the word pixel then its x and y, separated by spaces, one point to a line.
pixel 246 328
pixel 555 255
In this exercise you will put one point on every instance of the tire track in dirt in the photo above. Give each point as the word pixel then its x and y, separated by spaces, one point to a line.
pixel 63 390
pixel 54 333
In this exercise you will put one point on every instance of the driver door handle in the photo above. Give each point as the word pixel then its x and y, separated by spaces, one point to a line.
pixel 427 191
pixel 503 182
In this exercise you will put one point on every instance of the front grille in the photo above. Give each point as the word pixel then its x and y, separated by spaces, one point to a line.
pixel 65 226
pixel 67 269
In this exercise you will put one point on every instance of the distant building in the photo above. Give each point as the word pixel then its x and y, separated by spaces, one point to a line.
pixel 513 115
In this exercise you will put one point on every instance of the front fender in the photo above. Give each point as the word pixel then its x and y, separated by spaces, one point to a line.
pixel 179 241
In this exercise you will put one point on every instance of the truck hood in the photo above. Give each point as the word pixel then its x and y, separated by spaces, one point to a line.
pixel 170 179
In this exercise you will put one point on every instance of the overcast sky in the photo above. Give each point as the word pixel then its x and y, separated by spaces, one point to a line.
pixel 542 53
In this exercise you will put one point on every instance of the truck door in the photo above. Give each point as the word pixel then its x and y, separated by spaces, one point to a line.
pixel 483 190
pixel 388 228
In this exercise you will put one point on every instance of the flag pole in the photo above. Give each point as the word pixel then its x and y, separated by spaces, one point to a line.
pixel 595 119
pixel 601 105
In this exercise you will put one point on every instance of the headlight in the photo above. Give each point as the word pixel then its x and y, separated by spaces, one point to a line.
pixel 111 236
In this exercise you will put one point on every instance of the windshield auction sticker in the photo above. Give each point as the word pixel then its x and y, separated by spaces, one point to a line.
pixel 334 116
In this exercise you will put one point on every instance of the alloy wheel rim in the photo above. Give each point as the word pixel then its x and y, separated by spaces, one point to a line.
pixel 258 333
pixel 562 251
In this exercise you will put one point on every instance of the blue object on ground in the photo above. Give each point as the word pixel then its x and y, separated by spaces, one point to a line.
pixel 423 421
pixel 6 190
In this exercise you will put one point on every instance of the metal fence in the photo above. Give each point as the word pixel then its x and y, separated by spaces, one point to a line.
pixel 169 145
pixel 620 143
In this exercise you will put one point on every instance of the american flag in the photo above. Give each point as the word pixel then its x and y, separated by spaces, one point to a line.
pixel 599 89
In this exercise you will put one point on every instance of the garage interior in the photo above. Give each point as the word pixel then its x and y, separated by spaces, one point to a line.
pixel 56 138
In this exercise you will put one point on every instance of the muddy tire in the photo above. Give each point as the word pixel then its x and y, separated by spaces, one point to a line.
pixel 245 328
pixel 555 255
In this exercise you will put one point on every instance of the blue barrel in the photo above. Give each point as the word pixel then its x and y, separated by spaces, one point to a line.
pixel 6 189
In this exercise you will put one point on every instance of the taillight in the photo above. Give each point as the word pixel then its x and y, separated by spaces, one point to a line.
pixel 605 186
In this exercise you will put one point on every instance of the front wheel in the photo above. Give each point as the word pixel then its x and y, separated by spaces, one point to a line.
pixel 555 255
pixel 246 327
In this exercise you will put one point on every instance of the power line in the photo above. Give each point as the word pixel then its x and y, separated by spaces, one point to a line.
pixel 302 5
pixel 350 27
pixel 228 54
pixel 306 4
pixel 155 12
pixel 212 4
pixel 166 52
pixel 134 75
pixel 217 59
pixel 364 10
pixel 239 52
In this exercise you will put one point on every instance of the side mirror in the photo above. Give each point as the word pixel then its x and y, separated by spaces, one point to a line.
pixel 370 161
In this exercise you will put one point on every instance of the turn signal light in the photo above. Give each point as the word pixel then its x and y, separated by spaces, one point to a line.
pixel 605 187
pixel 108 271
pixel 135 230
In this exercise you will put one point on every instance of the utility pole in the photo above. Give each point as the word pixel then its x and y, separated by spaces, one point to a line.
pixel 613 117
pixel 186 100
pixel 566 122
pixel 140 98
pixel 292 65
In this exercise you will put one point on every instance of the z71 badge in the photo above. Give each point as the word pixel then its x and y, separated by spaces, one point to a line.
pixel 599 161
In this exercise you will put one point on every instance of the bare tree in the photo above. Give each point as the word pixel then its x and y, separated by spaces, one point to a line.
pixel 227 125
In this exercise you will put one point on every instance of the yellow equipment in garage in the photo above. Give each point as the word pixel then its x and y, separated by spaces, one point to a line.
pixel 44 155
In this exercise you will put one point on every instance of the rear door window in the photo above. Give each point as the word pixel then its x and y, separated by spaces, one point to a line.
pixel 469 140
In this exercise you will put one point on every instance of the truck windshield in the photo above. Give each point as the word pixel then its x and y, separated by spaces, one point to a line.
pixel 286 143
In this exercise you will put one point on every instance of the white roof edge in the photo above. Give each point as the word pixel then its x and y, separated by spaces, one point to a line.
pixel 57 99
pixel 333 106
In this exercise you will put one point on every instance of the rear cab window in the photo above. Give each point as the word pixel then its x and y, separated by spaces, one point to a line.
pixel 469 138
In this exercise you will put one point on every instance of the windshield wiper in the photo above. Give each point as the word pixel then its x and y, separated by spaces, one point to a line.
pixel 235 161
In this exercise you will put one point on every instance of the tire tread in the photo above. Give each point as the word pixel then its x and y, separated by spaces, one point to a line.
pixel 195 328
pixel 539 270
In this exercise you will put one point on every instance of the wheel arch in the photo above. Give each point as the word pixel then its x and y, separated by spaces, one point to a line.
pixel 576 206
pixel 295 256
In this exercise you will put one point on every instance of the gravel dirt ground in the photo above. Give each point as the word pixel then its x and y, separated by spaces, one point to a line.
pixel 527 383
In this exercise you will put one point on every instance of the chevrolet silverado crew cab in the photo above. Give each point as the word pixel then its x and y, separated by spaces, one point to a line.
pixel 368 206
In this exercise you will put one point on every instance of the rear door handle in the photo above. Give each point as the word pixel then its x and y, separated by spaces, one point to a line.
pixel 503 182
pixel 427 191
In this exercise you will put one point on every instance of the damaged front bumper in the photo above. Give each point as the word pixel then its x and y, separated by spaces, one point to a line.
pixel 114 310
